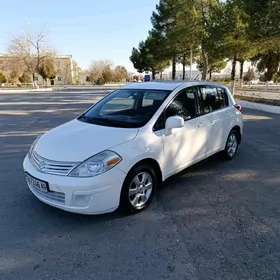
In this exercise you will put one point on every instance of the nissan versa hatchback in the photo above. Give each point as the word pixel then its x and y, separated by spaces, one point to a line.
pixel 118 152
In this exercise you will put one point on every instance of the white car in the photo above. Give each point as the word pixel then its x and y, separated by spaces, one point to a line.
pixel 118 152
pixel 254 82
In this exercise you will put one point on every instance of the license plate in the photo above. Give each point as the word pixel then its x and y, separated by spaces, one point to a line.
pixel 36 183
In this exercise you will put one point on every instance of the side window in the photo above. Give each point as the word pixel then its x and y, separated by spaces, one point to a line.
pixel 223 97
pixel 183 105
pixel 178 107
pixel 212 99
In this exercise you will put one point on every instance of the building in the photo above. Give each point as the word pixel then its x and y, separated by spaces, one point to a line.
pixel 66 69
pixel 179 75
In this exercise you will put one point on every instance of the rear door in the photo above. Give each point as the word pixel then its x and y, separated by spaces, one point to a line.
pixel 215 106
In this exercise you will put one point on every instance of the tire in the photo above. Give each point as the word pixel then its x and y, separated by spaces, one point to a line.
pixel 232 145
pixel 133 188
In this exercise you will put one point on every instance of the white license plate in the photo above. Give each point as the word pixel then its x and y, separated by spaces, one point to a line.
pixel 35 183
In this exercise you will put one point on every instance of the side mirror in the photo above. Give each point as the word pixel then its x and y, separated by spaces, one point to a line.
pixel 174 122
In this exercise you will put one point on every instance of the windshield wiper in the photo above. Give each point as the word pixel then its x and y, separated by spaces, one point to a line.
pixel 114 122
pixel 105 121
pixel 82 116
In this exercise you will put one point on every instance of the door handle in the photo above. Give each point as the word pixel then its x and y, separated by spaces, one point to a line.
pixel 201 125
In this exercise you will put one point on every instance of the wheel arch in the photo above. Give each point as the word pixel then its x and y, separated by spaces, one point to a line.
pixel 154 164
pixel 237 128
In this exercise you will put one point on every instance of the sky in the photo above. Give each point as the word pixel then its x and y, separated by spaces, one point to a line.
pixel 87 29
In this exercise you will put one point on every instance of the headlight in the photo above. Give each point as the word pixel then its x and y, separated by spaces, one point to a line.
pixel 96 164
pixel 33 145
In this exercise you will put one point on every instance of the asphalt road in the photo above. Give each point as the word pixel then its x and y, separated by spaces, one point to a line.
pixel 218 220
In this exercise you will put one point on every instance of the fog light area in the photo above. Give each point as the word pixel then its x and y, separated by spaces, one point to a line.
pixel 82 200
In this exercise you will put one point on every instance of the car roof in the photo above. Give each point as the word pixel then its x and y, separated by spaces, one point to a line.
pixel 167 85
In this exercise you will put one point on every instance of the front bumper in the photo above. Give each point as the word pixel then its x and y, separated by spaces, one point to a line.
pixel 95 195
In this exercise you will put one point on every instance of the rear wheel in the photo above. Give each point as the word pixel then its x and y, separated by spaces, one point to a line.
pixel 232 144
pixel 138 189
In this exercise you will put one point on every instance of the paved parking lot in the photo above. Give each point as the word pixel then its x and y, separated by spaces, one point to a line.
pixel 218 220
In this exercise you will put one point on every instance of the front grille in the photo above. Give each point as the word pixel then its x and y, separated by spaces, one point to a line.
pixel 52 196
pixel 51 167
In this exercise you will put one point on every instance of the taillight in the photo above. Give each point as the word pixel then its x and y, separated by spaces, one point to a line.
pixel 238 107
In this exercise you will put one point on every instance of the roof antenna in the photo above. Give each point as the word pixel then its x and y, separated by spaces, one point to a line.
pixel 196 78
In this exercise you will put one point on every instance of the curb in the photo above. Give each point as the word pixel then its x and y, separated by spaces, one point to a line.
pixel 25 90
pixel 260 107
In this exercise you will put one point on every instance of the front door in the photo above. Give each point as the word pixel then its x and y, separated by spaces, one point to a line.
pixel 187 145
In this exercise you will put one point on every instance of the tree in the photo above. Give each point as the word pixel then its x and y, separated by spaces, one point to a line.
pixel 13 76
pixel 146 57
pixel 47 70
pixel 120 74
pixel 107 75
pixel 32 50
pixel 214 65
pixel 268 64
pixel 185 31
pixel 263 19
pixel 162 21
pixel 138 59
pixel 97 68
pixel 250 75
pixel 89 79
pixel 229 31
pixel 263 27
pixel 24 78
pixel 3 78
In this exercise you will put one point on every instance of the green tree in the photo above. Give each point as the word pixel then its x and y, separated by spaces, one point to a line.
pixel 25 78
pixel 185 31
pixel 263 27
pixel 250 75
pixel 162 20
pixel 268 64
pixel 231 37
pixel 263 19
pixel 208 25
pixel 146 57
pixel 47 70
pixel 3 78
pixel 137 58
pixel 214 65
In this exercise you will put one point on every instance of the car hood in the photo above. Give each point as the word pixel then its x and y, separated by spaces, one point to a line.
pixel 76 141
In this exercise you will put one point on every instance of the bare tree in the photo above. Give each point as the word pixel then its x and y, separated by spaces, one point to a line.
pixel 32 50
pixel 98 67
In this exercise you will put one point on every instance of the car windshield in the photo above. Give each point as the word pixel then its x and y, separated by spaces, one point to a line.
pixel 129 108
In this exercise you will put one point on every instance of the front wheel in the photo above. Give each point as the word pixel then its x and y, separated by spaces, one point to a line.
pixel 231 145
pixel 138 189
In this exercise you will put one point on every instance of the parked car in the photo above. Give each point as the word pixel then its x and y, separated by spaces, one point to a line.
pixel 254 82
pixel 119 151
